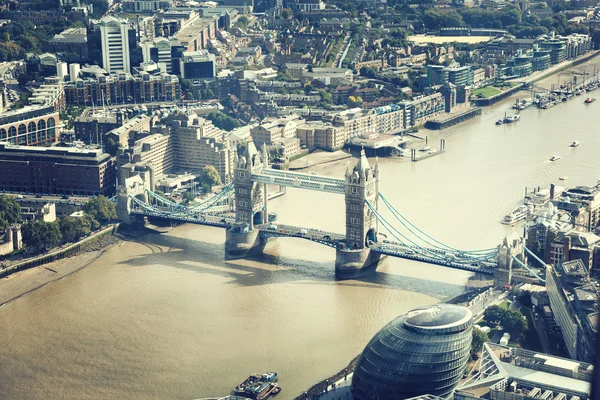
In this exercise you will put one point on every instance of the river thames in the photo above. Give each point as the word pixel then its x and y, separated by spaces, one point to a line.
pixel 168 318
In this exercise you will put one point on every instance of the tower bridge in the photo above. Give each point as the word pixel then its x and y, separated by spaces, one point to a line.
pixel 242 209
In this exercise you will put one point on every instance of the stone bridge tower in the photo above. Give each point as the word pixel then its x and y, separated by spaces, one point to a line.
pixel 361 186
pixel 249 196
pixel 354 258
pixel 250 207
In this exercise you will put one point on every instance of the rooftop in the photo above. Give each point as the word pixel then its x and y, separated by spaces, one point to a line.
pixel 438 316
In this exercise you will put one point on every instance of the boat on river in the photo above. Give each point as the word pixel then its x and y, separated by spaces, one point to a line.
pixel 575 144
pixel 511 118
pixel 258 386
pixel 516 215
pixel 555 158
pixel 589 100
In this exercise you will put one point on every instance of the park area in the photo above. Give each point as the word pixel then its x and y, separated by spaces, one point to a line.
pixel 490 91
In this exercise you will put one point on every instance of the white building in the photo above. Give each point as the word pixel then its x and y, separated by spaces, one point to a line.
pixel 74 71
pixel 61 69
pixel 115 44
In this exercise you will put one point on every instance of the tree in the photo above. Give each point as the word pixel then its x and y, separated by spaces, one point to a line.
pixel 308 88
pixel 243 20
pixel 223 121
pixel 286 13
pixel 188 197
pixel 10 212
pixel 113 146
pixel 479 338
pixel 494 314
pixel 210 176
pixel 73 228
pixel 101 209
pixel 514 322
pixel 354 101
pixel 41 235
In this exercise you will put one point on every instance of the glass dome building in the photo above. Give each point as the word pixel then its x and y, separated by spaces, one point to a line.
pixel 424 351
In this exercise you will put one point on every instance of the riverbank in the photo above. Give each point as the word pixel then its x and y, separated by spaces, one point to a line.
pixel 318 157
pixel 20 283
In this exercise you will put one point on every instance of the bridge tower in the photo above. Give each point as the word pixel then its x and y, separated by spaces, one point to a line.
pixel 133 186
pixel 362 185
pixel 250 206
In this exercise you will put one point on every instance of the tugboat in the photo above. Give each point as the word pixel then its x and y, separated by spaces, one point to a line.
pixel 499 122
pixel 589 100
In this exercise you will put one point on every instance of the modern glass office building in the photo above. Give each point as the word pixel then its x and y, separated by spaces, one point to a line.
pixel 424 351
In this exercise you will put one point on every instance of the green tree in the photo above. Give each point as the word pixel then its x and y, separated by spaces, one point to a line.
pixel 242 21
pixel 91 221
pixel 308 88
pixel 41 235
pixel 113 146
pixel 286 13
pixel 210 176
pixel 188 197
pixel 494 314
pixel 223 121
pixel 354 101
pixel 101 209
pixel 73 228
pixel 479 338
pixel 10 212
pixel 514 322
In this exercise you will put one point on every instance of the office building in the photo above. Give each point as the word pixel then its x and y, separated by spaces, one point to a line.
pixel 158 51
pixel 142 6
pixel 197 65
pixel 56 170
pixel 115 44
pixel 424 351
pixel 574 303
pixel 316 134
pixel 91 127
pixel 512 373
pixel 72 43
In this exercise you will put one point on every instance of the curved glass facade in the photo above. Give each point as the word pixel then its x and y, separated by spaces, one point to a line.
pixel 424 351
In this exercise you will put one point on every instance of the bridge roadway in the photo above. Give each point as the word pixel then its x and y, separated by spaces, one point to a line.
pixel 330 239
pixel 303 181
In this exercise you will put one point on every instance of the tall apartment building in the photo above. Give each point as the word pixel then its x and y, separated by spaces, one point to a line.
pixel 115 44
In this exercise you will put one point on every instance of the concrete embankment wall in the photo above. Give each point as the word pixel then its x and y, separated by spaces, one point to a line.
pixel 68 251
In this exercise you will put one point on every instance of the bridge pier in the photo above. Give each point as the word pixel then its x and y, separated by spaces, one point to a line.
pixel 240 242
pixel 351 264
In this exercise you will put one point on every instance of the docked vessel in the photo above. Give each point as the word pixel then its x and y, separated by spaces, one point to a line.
pixel 258 387
pixel 516 215
pixel 499 122
pixel 589 100
pixel 555 158
pixel 511 118
pixel 575 144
